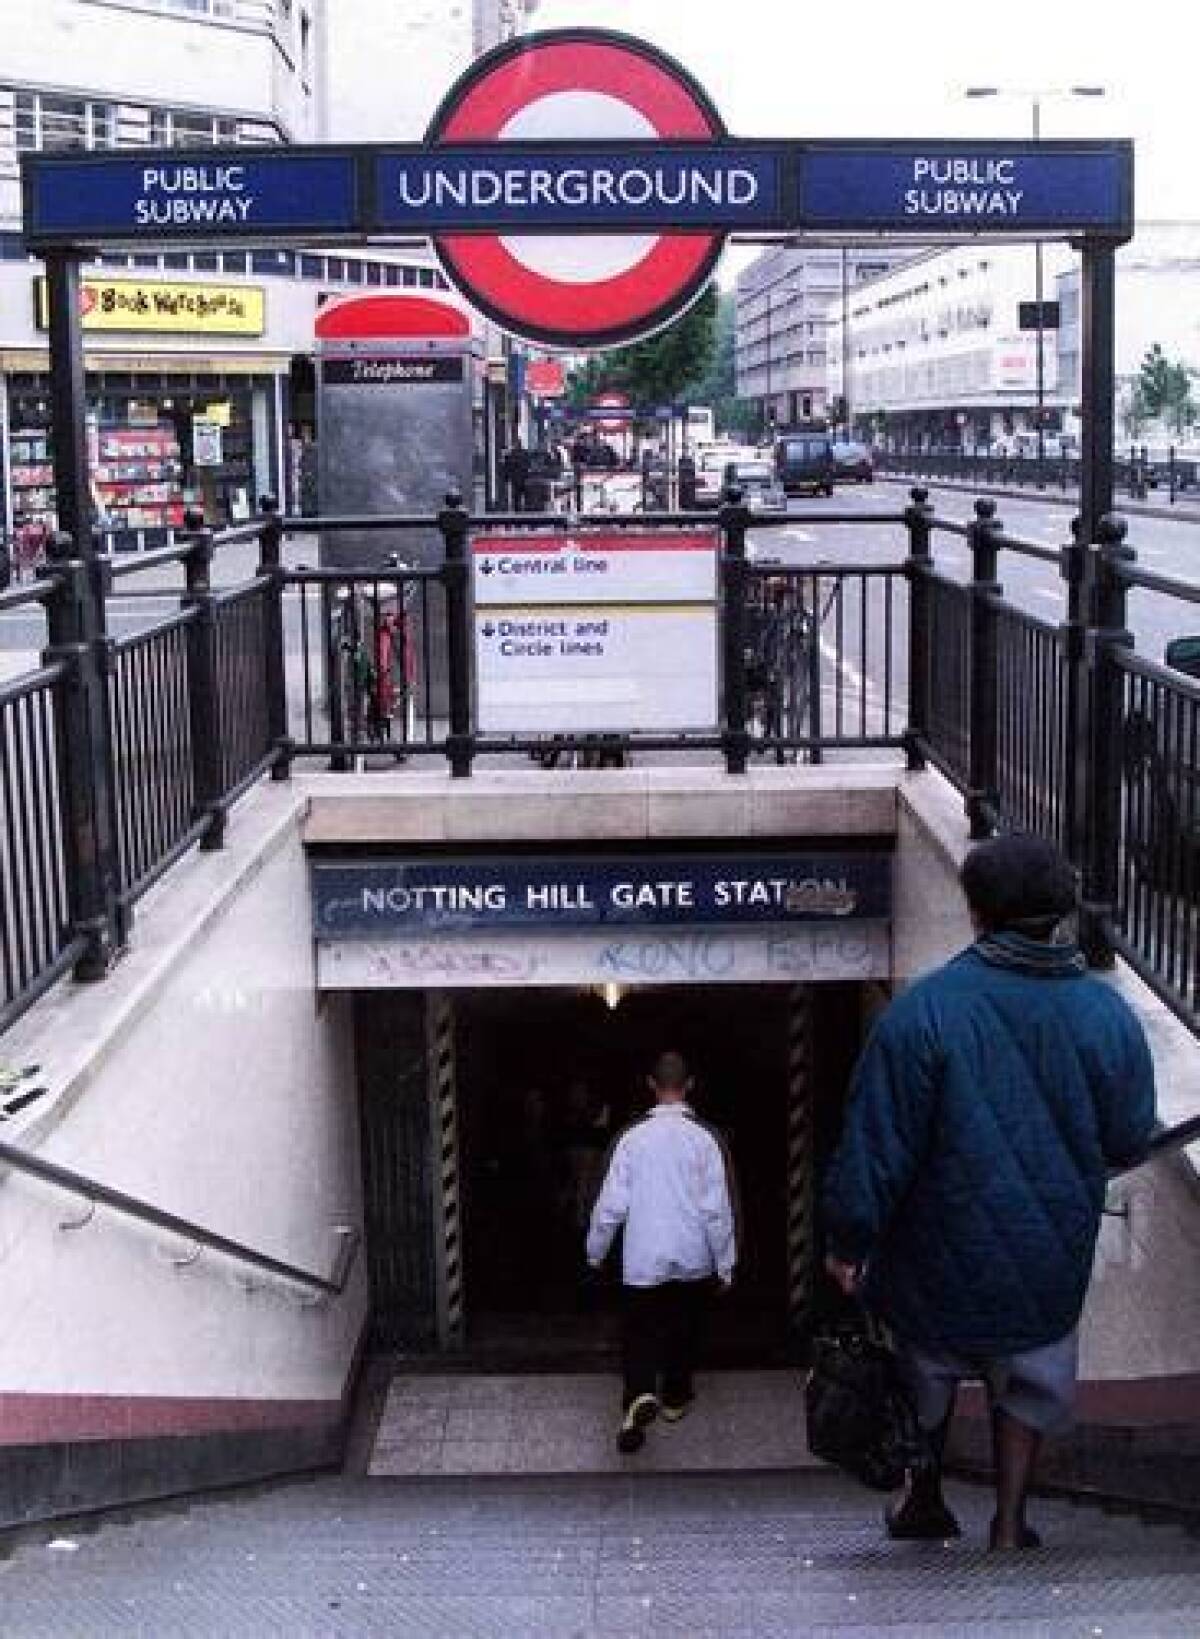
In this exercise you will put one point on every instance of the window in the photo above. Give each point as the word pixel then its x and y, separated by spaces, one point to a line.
pixel 235 261
pixel 191 130
pixel 374 273
pixel 354 272
pixel 312 267
pixel 206 261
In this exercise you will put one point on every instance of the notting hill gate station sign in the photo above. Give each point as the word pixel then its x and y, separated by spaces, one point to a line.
pixel 578 188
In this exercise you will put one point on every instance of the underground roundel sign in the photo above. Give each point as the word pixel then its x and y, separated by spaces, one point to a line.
pixel 588 289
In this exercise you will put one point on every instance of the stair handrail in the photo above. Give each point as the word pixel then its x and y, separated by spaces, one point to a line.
pixel 99 1194
pixel 1164 1141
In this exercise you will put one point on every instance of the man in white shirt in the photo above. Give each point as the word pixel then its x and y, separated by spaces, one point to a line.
pixel 668 1185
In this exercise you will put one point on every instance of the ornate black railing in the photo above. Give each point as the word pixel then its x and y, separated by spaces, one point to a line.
pixel 117 755
pixel 1136 473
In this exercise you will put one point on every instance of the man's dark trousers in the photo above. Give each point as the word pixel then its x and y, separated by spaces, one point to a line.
pixel 663 1327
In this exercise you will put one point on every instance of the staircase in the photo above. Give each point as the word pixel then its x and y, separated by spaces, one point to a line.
pixel 591 1557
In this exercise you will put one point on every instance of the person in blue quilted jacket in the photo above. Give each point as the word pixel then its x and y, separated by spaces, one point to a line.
pixel 964 1198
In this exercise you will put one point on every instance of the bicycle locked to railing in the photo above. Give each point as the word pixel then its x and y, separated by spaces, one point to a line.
pixel 118 754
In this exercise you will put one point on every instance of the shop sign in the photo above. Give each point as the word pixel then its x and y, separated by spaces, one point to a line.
pixel 378 899
pixel 152 305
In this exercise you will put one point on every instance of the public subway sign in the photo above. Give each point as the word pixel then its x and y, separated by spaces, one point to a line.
pixel 578 187
pixel 374 899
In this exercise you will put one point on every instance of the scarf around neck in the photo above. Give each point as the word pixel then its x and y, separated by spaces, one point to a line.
pixel 1032 956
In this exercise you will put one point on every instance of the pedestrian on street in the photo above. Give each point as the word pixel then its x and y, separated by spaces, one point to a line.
pixel 516 468
pixel 668 1185
pixel 965 1197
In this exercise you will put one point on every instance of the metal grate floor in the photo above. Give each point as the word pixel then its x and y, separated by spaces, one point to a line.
pixel 726 1556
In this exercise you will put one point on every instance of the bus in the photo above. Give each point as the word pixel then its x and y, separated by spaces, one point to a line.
pixel 699 425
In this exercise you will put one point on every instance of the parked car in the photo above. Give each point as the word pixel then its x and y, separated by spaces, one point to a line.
pixel 804 462
pixel 853 463
pixel 761 489
pixel 710 467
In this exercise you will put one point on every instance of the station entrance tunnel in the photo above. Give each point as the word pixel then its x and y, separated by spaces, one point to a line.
pixel 487 1116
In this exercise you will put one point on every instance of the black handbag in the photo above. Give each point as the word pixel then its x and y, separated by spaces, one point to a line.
pixel 860 1415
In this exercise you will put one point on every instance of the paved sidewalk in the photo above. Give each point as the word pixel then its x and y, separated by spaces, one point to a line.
pixel 748 1556
pixel 557 1423
pixel 1185 510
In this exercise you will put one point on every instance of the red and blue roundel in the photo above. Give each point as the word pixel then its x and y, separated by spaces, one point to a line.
pixel 580 290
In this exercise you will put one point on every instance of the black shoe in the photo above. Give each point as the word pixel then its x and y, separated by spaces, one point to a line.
pixel 638 1417
pixel 920 1519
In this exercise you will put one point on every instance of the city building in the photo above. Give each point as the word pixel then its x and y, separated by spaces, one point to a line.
pixel 783 301
pixel 199 364
pixel 388 66
pixel 1157 301
pixel 934 353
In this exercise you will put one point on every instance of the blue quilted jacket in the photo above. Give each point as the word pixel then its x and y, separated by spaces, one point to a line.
pixel 987 1106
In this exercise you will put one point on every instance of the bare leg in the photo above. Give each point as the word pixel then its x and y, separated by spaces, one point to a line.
pixel 1015 1448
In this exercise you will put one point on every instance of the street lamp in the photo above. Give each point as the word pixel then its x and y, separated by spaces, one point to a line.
pixel 1035 98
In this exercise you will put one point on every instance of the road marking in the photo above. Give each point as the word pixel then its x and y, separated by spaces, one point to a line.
pixel 850 672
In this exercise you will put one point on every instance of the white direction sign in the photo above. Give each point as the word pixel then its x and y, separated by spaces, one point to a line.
pixel 596 631
pixel 590 566
pixel 556 669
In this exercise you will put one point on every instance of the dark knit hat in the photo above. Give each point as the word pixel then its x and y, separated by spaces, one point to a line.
pixel 1019 882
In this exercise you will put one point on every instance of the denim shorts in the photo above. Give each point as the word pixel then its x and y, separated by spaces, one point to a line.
pixel 1037 1386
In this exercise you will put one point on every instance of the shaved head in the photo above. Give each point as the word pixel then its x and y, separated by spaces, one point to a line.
pixel 670 1072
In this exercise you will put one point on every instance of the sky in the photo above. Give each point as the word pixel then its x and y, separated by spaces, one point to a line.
pixel 872 68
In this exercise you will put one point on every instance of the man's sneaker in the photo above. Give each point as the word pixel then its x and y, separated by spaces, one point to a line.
pixel 638 1417
pixel 676 1414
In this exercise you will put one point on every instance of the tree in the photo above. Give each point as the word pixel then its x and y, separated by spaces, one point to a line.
pixel 718 387
pixel 660 369
pixel 1163 392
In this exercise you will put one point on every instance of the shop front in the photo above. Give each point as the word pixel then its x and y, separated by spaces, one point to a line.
pixel 180 412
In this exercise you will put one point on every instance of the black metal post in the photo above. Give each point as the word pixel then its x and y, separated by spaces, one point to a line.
pixel 270 567
pixel 734 519
pixel 1108 633
pixel 1073 567
pixel 203 685
pixel 86 779
pixel 983 538
pixel 1098 328
pixel 813 652
pixel 918 519
pixel 454 523
pixel 68 401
